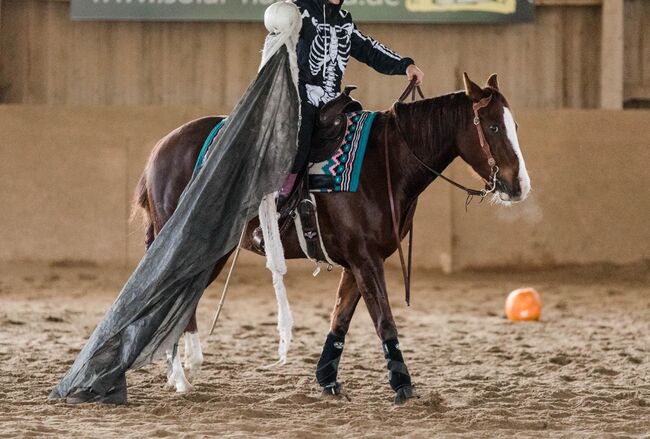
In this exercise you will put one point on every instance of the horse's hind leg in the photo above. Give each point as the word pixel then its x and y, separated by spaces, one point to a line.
pixel 176 378
pixel 193 357
pixel 371 283
pixel 347 297
pixel 175 375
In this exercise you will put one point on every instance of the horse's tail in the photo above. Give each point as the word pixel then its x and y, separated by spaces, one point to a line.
pixel 141 206
pixel 140 203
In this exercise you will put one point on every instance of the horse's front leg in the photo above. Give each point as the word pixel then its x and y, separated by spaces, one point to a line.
pixel 372 285
pixel 347 297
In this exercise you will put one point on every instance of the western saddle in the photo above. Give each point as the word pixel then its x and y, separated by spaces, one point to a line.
pixel 331 125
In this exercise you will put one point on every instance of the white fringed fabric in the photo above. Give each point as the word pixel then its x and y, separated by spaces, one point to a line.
pixel 283 21
pixel 276 263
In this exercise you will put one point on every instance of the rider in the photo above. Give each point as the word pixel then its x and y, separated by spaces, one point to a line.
pixel 327 39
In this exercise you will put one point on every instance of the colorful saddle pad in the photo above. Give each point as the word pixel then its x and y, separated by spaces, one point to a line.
pixel 339 173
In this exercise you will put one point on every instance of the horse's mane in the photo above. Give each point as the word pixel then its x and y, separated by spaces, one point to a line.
pixel 433 122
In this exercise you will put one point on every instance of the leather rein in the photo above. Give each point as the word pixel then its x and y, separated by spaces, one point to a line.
pixel 411 89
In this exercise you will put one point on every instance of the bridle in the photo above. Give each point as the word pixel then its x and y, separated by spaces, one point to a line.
pixel 492 179
pixel 494 169
pixel 485 145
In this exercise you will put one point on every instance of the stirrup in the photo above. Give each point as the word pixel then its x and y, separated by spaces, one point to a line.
pixel 258 239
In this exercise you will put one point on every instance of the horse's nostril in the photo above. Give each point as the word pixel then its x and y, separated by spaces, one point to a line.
pixel 512 188
pixel 516 188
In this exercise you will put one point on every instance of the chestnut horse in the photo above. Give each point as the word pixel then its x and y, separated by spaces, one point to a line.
pixel 357 228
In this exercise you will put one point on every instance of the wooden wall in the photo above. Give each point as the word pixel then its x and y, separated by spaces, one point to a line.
pixel 555 63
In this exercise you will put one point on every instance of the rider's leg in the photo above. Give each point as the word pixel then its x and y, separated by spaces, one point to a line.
pixel 307 123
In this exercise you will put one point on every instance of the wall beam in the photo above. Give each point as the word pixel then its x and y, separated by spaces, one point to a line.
pixel 612 61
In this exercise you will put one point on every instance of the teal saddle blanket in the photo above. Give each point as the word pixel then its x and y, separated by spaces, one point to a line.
pixel 340 172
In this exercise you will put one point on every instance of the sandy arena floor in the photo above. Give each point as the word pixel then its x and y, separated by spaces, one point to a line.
pixel 584 371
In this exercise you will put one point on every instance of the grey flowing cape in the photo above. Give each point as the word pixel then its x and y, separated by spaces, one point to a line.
pixel 250 158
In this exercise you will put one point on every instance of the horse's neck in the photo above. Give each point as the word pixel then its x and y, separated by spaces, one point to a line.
pixel 429 130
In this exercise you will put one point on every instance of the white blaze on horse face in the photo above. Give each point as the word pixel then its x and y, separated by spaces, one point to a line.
pixel 176 377
pixel 511 133
pixel 193 355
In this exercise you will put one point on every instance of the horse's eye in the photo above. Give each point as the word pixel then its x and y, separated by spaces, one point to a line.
pixel 494 128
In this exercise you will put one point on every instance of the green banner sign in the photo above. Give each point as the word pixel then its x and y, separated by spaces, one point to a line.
pixel 391 11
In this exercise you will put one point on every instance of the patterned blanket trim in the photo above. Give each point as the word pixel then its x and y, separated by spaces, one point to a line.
pixel 206 145
pixel 341 172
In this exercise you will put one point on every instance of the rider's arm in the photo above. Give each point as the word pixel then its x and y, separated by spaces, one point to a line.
pixel 376 55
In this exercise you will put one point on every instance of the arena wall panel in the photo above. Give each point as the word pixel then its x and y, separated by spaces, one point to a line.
pixel 67 177
pixel 588 203
pixel 47 59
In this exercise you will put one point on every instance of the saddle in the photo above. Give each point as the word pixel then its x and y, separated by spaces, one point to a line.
pixel 331 124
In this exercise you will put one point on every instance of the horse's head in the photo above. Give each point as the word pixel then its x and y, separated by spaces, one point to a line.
pixel 490 144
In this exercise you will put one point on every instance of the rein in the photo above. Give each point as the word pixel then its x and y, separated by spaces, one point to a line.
pixel 406 270
pixel 411 89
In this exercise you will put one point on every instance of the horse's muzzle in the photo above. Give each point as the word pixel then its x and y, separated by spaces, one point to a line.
pixel 509 192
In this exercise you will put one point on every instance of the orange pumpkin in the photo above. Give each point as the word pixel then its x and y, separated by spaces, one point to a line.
pixel 523 304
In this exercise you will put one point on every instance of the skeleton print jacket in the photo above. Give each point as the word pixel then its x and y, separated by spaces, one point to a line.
pixel 327 39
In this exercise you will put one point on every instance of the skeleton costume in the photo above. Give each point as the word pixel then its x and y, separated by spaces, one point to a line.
pixel 327 40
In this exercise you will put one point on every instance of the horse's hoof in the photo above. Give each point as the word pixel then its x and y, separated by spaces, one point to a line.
pixel 191 374
pixel 183 386
pixel 334 390
pixel 404 394
pixel 179 384
pixel 192 371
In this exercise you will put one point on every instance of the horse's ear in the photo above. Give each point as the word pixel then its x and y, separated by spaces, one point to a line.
pixel 473 90
pixel 493 82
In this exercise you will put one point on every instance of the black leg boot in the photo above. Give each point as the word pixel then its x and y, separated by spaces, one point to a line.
pixel 398 374
pixel 328 365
